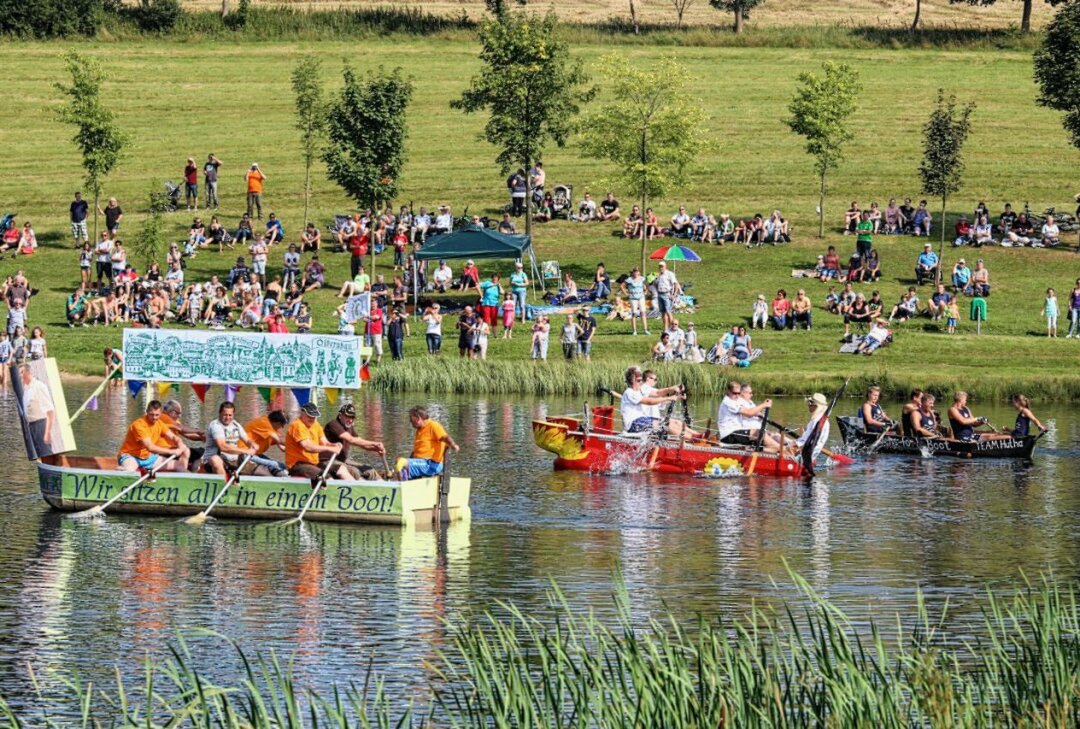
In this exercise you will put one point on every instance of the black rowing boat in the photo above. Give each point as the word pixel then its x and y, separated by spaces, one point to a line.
pixel 852 432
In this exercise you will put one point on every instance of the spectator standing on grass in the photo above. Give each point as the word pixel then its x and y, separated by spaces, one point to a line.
pixel 255 179
pixel 569 338
pixel 515 183
pixel 519 286
pixel 86 263
pixel 79 210
pixel 586 325
pixel 191 184
pixel 113 215
pixel 1074 311
pixel 668 291
pixel 433 329
pixel 258 251
pixel 466 326
pixel 210 180
pixel 395 335
pixel 864 235
pixel 634 289
pixel 1050 311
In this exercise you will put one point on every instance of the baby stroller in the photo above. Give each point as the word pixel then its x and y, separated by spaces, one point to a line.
pixel 168 201
pixel 7 223
pixel 563 201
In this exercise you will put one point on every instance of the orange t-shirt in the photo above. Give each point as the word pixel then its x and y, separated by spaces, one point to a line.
pixel 255 181
pixel 140 430
pixel 428 442
pixel 294 452
pixel 261 432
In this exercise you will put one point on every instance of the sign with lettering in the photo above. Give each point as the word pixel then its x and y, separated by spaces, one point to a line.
pixel 243 358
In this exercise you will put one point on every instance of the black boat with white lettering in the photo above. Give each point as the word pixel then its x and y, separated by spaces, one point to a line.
pixel 854 436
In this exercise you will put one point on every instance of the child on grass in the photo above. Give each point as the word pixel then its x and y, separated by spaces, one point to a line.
pixel 5 357
pixel 540 332
pixel 18 346
pixel 508 316
pixel 36 347
pixel 1050 311
pixel 953 316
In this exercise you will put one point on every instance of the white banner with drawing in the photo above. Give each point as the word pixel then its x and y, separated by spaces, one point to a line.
pixel 242 358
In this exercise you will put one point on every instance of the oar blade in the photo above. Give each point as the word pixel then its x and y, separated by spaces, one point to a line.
pixel 197 519
pixel 94 512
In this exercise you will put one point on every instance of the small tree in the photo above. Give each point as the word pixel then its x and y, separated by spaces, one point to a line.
pixel 531 89
pixel 820 112
pixel 310 117
pixel 651 129
pixel 366 132
pixel 500 7
pixel 1057 69
pixel 740 8
pixel 96 134
pixel 942 168
pixel 151 241
pixel 681 6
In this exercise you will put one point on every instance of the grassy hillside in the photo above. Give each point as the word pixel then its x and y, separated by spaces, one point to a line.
pixel 186 99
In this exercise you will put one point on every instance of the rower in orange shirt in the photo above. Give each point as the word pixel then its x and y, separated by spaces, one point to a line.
pixel 429 447
pixel 266 432
pixel 304 441
pixel 147 439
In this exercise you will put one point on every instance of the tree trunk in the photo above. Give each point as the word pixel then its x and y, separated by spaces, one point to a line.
pixel 738 20
pixel 633 18
pixel 918 12
pixel 224 8
pixel 97 206
pixel 1025 19
pixel 821 208
pixel 528 197
pixel 941 246
pixel 307 189
pixel 644 229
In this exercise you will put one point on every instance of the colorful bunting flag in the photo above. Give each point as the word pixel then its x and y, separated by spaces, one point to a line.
pixel 230 392
pixel 266 393
pixel 200 390
pixel 135 386
pixel 331 394
pixel 92 404
pixel 302 395
pixel 277 398
pixel 163 389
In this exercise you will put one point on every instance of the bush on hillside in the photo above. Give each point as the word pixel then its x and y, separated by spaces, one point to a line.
pixel 157 16
pixel 239 17
pixel 49 18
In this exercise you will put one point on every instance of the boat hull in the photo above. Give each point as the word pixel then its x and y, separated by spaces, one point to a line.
pixel 601 450
pixel 74 483
pixel 1013 448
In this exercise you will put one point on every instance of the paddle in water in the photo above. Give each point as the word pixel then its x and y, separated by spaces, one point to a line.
pixel 203 515
pixel 99 510
pixel 314 490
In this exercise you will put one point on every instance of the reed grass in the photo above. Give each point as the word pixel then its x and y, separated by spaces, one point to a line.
pixel 794 666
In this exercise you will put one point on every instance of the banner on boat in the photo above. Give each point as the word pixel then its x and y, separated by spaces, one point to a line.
pixel 243 358
pixel 42 410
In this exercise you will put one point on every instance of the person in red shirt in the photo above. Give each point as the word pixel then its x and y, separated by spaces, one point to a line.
pixel 275 322
pixel 963 232
pixel 191 184
pixel 358 247
pixel 375 330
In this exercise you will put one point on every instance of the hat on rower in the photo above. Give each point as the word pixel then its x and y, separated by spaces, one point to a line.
pixel 348 410
pixel 818 399
pixel 311 410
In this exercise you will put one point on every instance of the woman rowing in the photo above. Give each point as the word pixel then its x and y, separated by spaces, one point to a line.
pixel 963 423
pixel 872 414
pixel 911 408
pixel 1024 418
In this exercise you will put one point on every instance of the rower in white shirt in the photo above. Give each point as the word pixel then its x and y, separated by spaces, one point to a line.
pixel 740 421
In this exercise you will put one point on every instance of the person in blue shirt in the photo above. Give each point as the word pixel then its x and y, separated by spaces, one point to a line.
pixel 519 285
pixel 961 274
pixel 926 268
pixel 922 220
pixel 490 296
pixel 275 233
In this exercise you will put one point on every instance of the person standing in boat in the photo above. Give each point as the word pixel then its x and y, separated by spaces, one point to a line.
pixel 1024 418
pixel 142 446
pixel 818 407
pixel 910 411
pixel 305 442
pixel 872 414
pixel 924 421
pixel 341 430
pixel 429 447
pixel 636 401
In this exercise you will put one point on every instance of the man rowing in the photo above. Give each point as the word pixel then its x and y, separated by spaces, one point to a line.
pixel 910 412
pixel 964 424
pixel 429 447
pixel 266 432
pixel 637 404
pixel 872 414
pixel 226 442
pixel 305 442
pixel 171 412
pixel 924 421
pixel 740 421
pixel 341 430
pixel 149 438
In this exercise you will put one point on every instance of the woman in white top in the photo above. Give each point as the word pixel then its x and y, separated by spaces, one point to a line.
pixel 1050 232
pixel 433 332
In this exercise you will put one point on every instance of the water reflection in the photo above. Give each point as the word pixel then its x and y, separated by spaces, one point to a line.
pixel 88 596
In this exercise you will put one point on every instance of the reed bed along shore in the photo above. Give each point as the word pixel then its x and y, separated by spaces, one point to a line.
pixel 797 666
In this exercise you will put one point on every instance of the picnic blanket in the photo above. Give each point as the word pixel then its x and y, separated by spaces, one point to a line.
pixel 531 312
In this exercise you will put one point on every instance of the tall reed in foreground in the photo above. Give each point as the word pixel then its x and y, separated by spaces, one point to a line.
pixel 792 668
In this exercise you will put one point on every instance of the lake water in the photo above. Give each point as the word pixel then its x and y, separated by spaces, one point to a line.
pixel 86 597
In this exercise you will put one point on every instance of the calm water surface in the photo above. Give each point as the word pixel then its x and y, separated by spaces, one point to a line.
pixel 78 597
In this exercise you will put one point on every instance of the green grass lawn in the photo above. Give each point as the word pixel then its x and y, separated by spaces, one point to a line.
pixel 186 99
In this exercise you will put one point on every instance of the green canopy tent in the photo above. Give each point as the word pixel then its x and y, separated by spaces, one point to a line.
pixel 473 243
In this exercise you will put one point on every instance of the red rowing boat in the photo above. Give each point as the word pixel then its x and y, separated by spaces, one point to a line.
pixel 599 448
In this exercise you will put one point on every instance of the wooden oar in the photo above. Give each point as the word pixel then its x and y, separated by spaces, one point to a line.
pixel 95 511
pixel 203 515
pixel 758 445
pixel 95 393
pixel 386 466
pixel 318 485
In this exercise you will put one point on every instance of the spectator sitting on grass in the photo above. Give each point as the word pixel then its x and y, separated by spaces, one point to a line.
pixel 661 351
pixel 832 301
pixel 197 233
pixel 857 313
pixel 801 311
pixel 980 280
pixel 1021 233
pixel 894 219
pixel 545 210
pixel 725 230
pixel 442 278
pixel 907 216
pixel 781 308
pixel 314 275
pixel 760 312
pixel 922 220
pixel 244 230
pixel 601 287
pixel 851 217
pixel 470 277
pixel 926 268
pixel 586 209
pixel 311 238
pixel 1006 220
pixel 698 223
pixel 238 272
pixel 963 232
pixel 275 233
pixel 569 289
pixel 874 216
pixel 961 275
pixel 939 303
pixel 1050 233
pixel 506 225
pixel 777 229
pixel 872 266
pixel 652 225
pixel 609 209
pixel 632 225
pixel 905 309
pixel 444 221
pixel 984 232
pixel 855 270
